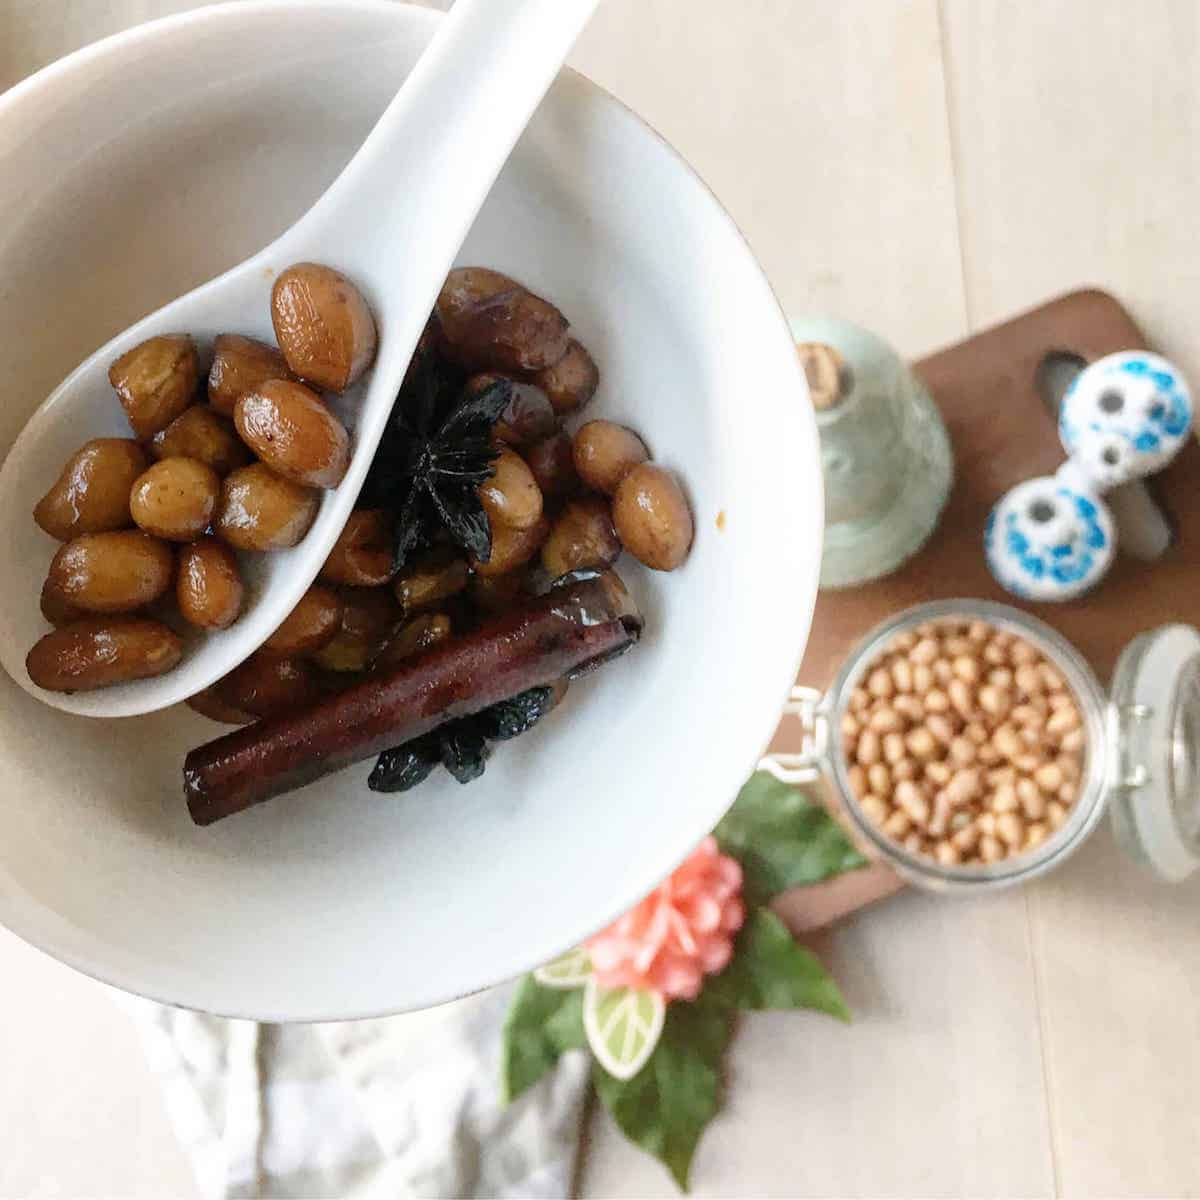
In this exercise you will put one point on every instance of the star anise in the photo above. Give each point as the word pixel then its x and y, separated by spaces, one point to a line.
pixel 437 450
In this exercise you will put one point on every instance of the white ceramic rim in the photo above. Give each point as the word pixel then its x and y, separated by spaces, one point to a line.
pixel 804 588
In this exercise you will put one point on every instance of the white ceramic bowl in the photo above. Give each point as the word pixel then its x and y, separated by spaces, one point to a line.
pixel 141 166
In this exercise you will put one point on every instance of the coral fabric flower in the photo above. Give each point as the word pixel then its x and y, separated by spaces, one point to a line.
pixel 679 933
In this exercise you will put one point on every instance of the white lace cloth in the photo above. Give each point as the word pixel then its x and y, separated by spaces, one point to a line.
pixel 396 1107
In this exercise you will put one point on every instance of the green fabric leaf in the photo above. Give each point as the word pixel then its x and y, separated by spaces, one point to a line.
pixel 542 1024
pixel 769 970
pixel 782 839
pixel 665 1107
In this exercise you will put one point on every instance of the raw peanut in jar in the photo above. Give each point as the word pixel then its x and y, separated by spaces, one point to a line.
pixel 958 744
pixel 156 381
pixel 92 493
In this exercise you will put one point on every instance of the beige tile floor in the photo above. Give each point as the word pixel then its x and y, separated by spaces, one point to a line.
pixel 926 168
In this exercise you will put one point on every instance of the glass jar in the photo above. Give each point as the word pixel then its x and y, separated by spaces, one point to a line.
pixel 885 455
pixel 1141 761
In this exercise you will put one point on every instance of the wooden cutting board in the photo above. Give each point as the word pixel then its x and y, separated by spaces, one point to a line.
pixel 1003 434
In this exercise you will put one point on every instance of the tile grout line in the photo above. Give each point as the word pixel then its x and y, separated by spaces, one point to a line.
pixel 951 137
pixel 1039 992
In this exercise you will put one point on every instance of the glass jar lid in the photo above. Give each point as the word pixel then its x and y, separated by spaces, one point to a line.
pixel 1154 736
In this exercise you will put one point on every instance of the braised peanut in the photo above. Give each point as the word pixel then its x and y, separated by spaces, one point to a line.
pixel 528 418
pixel 291 429
pixel 97 652
pixel 112 572
pixel 208 703
pixel 240 364
pixel 491 322
pixel 431 578
pixel 413 638
pixel 495 593
pixel 511 496
pixel 156 381
pixel 204 435
pixel 175 499
pixel 92 493
pixel 260 510
pixel 208 588
pixel 56 608
pixel 582 536
pixel 313 623
pixel 265 685
pixel 363 555
pixel 552 463
pixel 512 548
pixel 572 381
pixel 323 325
pixel 369 617
pixel 605 453
pixel 652 518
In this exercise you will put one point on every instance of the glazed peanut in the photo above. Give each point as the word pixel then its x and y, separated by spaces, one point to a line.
pixel 413 638
pixel 92 493
pixel 208 587
pixel 511 496
pixel 582 536
pixel 369 617
pixel 202 434
pixel 313 623
pixel 552 464
pixel 156 381
pixel 112 572
pixel 240 364
pixel 56 608
pixel 652 518
pixel 605 453
pixel 265 685
pixel 208 703
pixel 363 555
pixel 976 768
pixel 98 652
pixel 323 326
pixel 430 579
pixel 291 429
pixel 528 418
pixel 175 499
pixel 572 381
pixel 512 548
pixel 260 510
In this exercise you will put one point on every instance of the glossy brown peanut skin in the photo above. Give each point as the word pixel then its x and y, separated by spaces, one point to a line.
pixel 363 555
pixel 56 608
pixel 156 381
pixel 412 638
pixel 431 578
pixel 112 572
pixel 369 617
pixel 208 587
pixel 572 381
pixel 208 703
pixel 495 593
pixel 581 536
pixel 491 322
pixel 291 429
pixel 528 418
pixel 239 364
pixel 92 493
pixel 511 496
pixel 512 548
pixel 323 325
pixel 605 453
pixel 260 510
pixel 265 685
pixel 97 652
pixel 309 626
pixel 175 499
pixel 201 433
pixel 652 517
pixel 552 463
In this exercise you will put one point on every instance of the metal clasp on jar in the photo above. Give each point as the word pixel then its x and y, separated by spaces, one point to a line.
pixel 803 766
